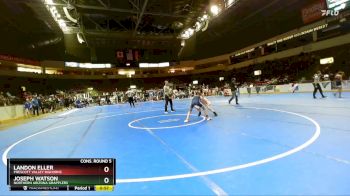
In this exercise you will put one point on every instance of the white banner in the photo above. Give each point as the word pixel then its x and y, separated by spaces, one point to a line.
pixel 289 88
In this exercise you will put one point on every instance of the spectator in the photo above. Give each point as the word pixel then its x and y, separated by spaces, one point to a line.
pixel 41 105
pixel 27 108
pixel 35 105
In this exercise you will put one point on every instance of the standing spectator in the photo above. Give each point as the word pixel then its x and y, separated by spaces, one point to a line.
pixel 249 89
pixel 66 102
pixel 51 104
pixel 27 107
pixel 41 105
pixel 78 103
pixel 99 101
pixel 2 99
pixel 257 89
pixel 46 106
pixel 216 90
pixel 338 78
pixel 35 105
pixel 108 100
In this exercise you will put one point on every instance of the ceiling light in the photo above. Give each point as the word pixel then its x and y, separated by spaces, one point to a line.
pixel 214 9
pixel 183 43
pixel 63 24
pixel 189 31
pixel 205 17
pixel 52 10
pixel 185 35
pixel 126 72
pixel 143 65
pixel 80 38
pixel 66 12
pixel 229 3
pixel 164 64
pixel 48 1
pixel 56 16
pixel 198 26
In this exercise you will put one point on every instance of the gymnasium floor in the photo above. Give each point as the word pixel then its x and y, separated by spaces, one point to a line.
pixel 288 144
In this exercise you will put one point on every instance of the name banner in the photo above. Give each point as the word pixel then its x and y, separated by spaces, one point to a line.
pixel 86 174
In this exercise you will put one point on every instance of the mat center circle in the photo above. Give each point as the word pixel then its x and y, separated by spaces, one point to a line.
pixel 164 122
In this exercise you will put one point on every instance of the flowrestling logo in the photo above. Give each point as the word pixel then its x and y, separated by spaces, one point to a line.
pixel 330 12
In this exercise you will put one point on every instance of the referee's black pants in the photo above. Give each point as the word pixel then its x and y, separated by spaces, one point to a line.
pixel 168 100
pixel 234 96
pixel 317 86
pixel 131 101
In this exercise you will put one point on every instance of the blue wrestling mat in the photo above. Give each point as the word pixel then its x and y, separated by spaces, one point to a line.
pixel 288 144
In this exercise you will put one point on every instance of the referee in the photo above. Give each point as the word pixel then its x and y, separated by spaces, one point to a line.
pixel 316 84
pixel 168 93
pixel 130 94
pixel 234 88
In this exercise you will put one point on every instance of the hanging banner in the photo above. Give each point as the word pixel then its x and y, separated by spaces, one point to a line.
pixel 18 60
pixel 312 12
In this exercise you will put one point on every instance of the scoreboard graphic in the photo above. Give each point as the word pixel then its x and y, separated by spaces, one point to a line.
pixel 338 5
pixel 86 174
